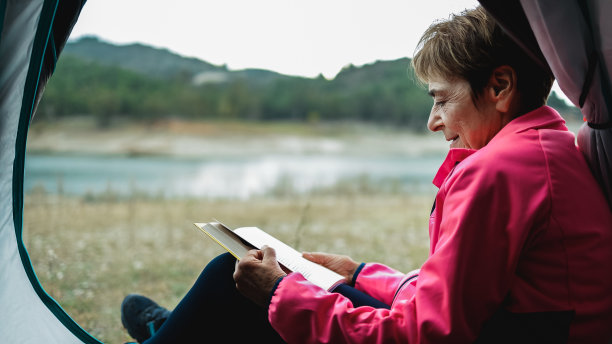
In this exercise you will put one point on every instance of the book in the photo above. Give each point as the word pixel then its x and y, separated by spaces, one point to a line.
pixel 240 240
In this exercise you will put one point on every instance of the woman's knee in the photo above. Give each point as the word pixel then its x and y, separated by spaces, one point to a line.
pixel 221 266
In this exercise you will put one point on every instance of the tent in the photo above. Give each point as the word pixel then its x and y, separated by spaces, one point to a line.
pixel 33 32
pixel 572 38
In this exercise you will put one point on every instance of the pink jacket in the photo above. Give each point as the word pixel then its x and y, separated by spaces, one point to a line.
pixel 518 225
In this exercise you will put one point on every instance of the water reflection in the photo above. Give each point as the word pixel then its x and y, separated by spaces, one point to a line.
pixel 236 177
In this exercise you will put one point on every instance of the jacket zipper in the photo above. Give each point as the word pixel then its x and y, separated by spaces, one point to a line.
pixel 402 285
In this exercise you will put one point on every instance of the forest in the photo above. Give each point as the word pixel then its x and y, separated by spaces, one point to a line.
pixel 143 83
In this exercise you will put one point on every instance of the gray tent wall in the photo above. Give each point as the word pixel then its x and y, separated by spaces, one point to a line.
pixel 574 39
pixel 32 33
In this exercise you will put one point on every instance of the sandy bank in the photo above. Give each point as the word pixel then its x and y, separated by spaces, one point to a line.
pixel 201 139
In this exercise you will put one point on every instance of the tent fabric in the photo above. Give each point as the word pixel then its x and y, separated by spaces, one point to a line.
pixel 29 37
pixel 575 38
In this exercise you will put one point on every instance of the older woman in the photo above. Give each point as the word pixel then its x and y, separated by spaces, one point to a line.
pixel 520 233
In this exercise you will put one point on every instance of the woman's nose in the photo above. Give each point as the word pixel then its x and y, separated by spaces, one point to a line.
pixel 434 123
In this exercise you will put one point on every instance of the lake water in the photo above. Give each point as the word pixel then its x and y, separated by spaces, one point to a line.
pixel 236 177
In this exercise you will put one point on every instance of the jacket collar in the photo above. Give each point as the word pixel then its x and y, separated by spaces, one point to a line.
pixel 540 118
pixel 543 117
pixel 454 156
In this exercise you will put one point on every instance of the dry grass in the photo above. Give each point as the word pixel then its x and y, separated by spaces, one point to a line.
pixel 90 252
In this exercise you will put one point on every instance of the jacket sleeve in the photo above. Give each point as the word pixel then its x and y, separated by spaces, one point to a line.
pixel 379 281
pixel 459 287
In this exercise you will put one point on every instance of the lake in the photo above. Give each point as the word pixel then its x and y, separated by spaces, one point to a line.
pixel 235 177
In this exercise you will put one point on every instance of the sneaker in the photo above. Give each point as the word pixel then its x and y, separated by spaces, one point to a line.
pixel 142 317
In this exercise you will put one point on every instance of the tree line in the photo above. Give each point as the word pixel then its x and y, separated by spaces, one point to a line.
pixel 381 92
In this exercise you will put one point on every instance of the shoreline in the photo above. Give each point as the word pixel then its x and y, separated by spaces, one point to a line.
pixel 200 139
pixel 183 139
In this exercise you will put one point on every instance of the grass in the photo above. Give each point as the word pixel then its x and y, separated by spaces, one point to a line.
pixel 89 252
pixel 92 250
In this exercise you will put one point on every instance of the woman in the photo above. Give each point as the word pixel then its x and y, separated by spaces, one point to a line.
pixel 520 234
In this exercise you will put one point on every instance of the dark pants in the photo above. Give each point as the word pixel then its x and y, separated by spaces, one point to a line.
pixel 213 307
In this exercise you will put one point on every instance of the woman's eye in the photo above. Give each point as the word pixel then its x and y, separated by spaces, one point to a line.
pixel 439 103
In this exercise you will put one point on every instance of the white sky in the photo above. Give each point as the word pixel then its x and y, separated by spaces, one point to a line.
pixel 294 37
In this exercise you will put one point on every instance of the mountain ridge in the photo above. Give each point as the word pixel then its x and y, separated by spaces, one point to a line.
pixel 156 62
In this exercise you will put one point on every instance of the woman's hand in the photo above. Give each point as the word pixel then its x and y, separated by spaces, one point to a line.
pixel 256 273
pixel 342 265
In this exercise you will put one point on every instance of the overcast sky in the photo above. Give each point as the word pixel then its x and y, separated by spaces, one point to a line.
pixel 293 37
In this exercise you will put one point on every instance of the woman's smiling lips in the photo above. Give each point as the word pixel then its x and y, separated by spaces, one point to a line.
pixel 454 141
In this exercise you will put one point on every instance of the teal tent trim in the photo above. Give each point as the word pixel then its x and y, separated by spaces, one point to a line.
pixel 2 13
pixel 54 51
pixel 41 46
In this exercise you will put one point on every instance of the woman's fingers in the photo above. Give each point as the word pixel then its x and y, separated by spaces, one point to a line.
pixel 341 264
pixel 268 255
pixel 256 274
pixel 316 257
pixel 254 254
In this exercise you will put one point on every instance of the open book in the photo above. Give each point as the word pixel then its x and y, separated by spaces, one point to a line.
pixel 240 240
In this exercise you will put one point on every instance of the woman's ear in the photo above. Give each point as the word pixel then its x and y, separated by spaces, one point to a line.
pixel 502 88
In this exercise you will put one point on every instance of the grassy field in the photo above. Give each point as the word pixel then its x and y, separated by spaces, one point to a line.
pixel 90 252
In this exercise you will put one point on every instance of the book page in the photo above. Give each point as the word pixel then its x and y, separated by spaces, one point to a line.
pixel 226 238
pixel 292 259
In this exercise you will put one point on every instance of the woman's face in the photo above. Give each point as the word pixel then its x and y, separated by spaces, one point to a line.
pixel 455 114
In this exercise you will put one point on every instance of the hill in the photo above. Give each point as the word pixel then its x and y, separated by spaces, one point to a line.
pixel 157 63
pixel 139 82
